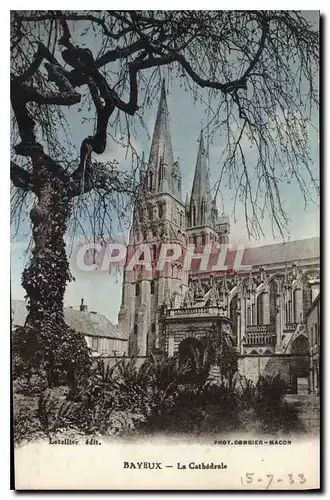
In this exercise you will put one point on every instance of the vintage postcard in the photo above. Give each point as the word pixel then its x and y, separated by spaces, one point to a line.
pixel 165 263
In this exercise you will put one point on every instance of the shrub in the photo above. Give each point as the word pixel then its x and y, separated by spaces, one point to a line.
pixel 62 356
pixel 272 411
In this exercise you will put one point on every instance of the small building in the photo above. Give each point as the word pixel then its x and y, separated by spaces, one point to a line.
pixel 101 335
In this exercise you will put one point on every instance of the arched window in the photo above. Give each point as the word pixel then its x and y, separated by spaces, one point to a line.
pixel 152 287
pixel 253 319
pixel 233 313
pixel 295 306
pixel 154 253
pixel 300 345
pixel 135 329
pixel 248 316
pixel 260 309
pixel 203 206
pixel 307 297
pixel 160 210
pixel 137 289
pixel 317 333
pixel 272 302
pixel 290 311
pixel 203 239
pixel 151 178
pixel 193 214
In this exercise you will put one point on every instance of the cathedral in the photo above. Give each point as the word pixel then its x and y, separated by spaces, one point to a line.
pixel 266 304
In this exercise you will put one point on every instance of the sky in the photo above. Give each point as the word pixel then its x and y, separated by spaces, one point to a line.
pixel 101 291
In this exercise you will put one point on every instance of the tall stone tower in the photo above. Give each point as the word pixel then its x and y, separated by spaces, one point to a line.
pixel 204 226
pixel 159 217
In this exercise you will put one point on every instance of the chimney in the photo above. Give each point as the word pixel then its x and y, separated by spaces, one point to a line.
pixel 83 307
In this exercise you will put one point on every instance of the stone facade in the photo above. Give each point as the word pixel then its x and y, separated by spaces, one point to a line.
pixel 313 331
pixel 265 305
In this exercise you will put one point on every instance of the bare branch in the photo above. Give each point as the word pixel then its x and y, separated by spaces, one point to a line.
pixel 20 177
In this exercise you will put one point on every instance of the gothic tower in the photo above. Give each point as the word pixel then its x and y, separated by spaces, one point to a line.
pixel 159 217
pixel 203 223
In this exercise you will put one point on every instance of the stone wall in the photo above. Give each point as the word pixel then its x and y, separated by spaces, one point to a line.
pixel 289 367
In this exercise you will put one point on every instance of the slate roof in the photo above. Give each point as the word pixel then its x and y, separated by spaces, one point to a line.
pixel 279 253
pixel 284 252
pixel 86 322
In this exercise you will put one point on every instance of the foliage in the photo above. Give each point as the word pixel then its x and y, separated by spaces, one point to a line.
pixel 271 409
pixel 60 358
pixel 127 399
pixel 221 350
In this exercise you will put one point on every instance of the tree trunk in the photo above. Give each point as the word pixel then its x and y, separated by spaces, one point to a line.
pixel 47 273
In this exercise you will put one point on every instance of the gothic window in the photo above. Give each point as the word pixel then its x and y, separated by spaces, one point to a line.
pixel 289 311
pixel 233 313
pixel 162 171
pixel 160 210
pixel 248 316
pixel 253 314
pixel 151 175
pixel 317 336
pixel 203 239
pixel 295 305
pixel 153 328
pixel 286 313
pixel 135 329
pixel 154 253
pixel 272 302
pixel 193 214
pixel 137 289
pixel 150 212
pixel 203 210
pixel 300 345
pixel 152 287
pixel 307 298
pixel 260 309
pixel 181 219
pixel 95 344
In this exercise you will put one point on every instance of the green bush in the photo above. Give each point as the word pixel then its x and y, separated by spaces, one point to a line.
pixel 62 356
pixel 274 414
pixel 153 398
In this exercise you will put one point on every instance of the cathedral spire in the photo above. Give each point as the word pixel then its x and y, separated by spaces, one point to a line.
pixel 201 200
pixel 164 173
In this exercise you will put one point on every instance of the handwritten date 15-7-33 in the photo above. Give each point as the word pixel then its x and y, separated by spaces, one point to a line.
pixel 268 480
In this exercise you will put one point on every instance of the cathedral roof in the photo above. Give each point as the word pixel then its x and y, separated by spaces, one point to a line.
pixel 284 252
pixel 279 253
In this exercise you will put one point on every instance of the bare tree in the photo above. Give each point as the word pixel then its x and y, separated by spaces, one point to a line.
pixel 259 67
